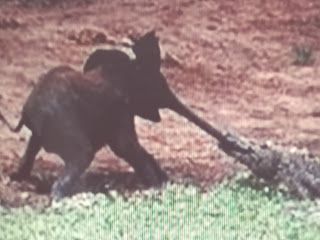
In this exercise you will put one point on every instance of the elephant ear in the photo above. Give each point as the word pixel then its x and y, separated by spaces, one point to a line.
pixel 147 51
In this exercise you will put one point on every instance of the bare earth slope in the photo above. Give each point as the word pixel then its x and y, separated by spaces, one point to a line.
pixel 234 64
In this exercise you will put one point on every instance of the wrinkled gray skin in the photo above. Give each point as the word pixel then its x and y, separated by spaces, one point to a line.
pixel 75 114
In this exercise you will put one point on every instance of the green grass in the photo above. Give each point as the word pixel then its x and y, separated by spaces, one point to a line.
pixel 228 212
pixel 303 55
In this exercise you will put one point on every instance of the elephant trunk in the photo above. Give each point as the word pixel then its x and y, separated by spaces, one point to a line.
pixel 176 105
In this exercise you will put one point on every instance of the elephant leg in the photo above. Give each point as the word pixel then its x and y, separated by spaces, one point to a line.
pixel 27 161
pixel 77 158
pixel 124 144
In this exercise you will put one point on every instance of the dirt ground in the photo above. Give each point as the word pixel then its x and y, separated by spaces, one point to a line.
pixel 251 66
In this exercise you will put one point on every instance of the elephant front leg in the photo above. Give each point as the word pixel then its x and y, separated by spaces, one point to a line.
pixel 125 145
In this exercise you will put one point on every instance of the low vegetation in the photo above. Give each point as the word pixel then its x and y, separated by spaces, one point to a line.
pixel 228 211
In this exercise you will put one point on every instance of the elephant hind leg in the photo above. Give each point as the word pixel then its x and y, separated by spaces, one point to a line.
pixel 125 145
pixel 27 161
pixel 77 159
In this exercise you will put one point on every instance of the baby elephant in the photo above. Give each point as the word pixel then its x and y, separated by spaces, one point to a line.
pixel 75 114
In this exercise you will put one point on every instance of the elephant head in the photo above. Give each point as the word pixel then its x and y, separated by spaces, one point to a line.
pixel 148 87
pixel 152 90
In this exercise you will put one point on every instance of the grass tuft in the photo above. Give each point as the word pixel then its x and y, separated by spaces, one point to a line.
pixel 302 55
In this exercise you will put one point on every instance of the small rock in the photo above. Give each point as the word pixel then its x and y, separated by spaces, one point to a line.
pixel 25 195
pixel 269 143
pixel 293 150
